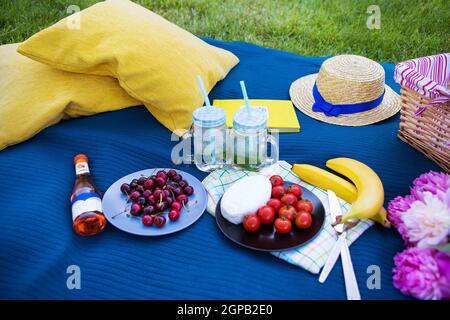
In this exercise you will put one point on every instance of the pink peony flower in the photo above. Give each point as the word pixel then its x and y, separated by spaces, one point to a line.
pixel 432 182
pixel 417 273
pixel 443 262
pixel 396 208
pixel 437 183
pixel 427 222
pixel 423 219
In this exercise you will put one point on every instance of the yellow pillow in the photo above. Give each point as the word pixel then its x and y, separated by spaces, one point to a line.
pixel 34 96
pixel 154 60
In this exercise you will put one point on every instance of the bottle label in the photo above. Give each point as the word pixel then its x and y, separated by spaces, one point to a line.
pixel 84 202
pixel 81 167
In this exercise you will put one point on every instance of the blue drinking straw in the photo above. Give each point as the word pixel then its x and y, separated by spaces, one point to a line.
pixel 203 90
pixel 244 93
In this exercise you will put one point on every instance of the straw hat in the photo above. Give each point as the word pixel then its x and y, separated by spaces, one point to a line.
pixel 350 91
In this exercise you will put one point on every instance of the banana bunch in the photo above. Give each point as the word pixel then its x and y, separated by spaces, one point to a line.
pixel 366 194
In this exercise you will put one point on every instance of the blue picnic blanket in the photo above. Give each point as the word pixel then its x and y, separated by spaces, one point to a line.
pixel 37 243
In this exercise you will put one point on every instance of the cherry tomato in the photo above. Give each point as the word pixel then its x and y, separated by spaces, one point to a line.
pixel 278 192
pixel 276 204
pixel 283 225
pixel 266 214
pixel 296 190
pixel 252 223
pixel 287 212
pixel 303 220
pixel 289 198
pixel 304 205
pixel 276 180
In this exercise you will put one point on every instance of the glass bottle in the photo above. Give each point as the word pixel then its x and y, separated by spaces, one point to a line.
pixel 87 213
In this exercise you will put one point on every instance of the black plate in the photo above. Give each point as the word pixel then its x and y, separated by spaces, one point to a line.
pixel 266 239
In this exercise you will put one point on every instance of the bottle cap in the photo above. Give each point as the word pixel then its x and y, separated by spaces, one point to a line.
pixel 208 117
pixel 80 158
pixel 254 119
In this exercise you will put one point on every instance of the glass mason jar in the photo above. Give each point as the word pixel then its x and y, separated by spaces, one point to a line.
pixel 209 134
pixel 248 140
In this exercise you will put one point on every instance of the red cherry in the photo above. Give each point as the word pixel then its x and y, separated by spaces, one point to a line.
pixel 176 206
pixel 171 173
pixel 177 178
pixel 174 215
pixel 148 184
pixel 182 198
pixel 188 190
pixel 135 209
pixel 160 206
pixel 147 220
pixel 151 199
pixel 134 195
pixel 146 193
pixel 159 195
pixel 161 174
pixel 159 221
pixel 160 181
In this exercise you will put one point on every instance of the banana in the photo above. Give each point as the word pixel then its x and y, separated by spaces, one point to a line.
pixel 327 180
pixel 381 217
pixel 368 185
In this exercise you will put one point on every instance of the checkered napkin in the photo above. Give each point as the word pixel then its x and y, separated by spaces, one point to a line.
pixel 310 257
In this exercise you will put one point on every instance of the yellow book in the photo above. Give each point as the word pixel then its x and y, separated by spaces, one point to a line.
pixel 282 114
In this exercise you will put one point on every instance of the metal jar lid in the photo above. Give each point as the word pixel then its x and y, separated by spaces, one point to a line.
pixel 253 119
pixel 209 117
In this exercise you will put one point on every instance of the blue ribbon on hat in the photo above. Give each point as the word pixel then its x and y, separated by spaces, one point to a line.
pixel 333 110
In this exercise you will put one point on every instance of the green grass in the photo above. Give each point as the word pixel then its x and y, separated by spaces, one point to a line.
pixel 409 28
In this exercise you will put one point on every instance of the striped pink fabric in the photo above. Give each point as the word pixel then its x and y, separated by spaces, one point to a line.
pixel 428 76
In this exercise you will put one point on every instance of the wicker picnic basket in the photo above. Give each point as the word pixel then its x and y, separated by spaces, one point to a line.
pixel 425 106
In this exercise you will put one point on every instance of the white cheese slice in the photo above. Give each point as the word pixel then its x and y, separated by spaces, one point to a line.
pixel 244 197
